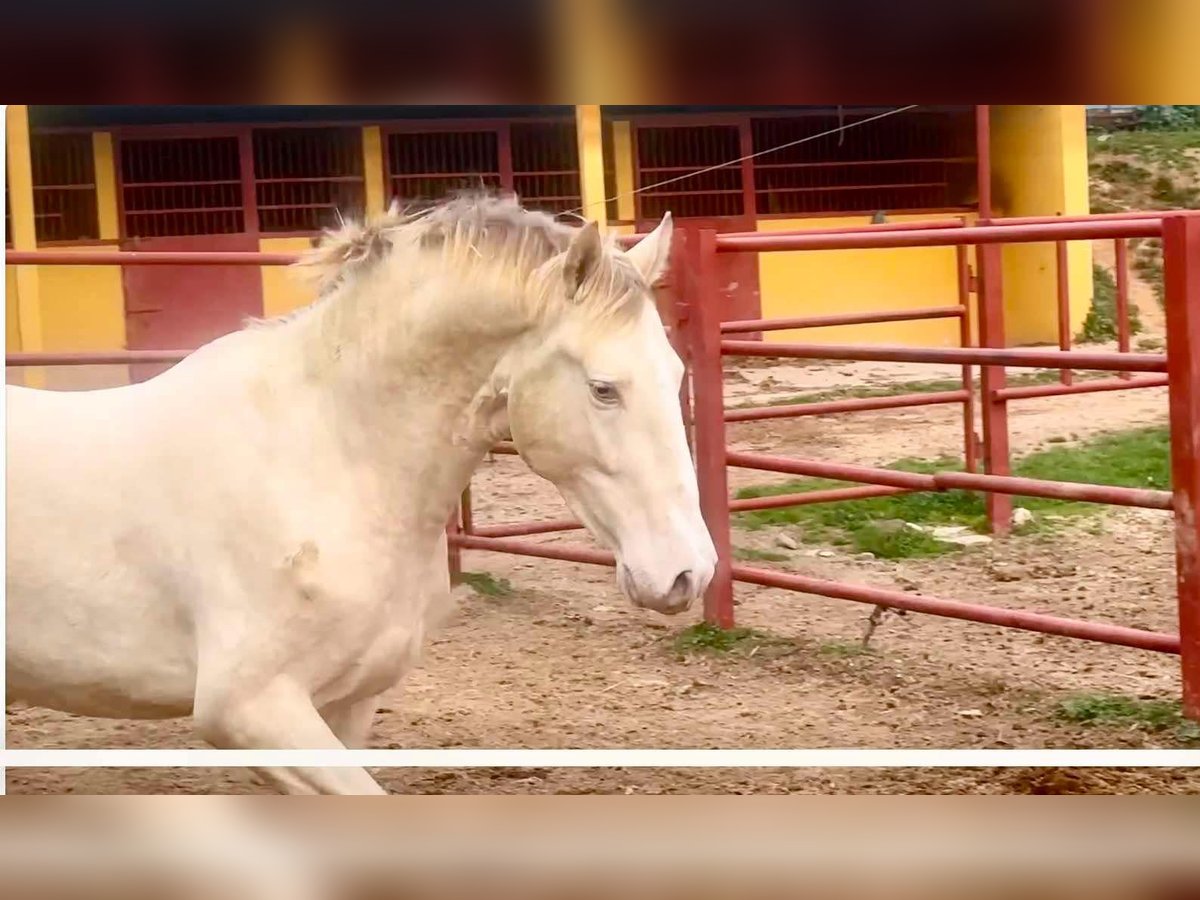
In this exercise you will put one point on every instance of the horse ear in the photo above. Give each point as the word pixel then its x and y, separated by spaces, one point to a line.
pixel 652 253
pixel 583 256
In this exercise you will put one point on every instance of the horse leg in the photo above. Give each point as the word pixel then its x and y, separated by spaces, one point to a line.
pixel 281 716
pixel 351 722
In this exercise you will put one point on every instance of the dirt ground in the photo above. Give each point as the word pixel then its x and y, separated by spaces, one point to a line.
pixel 564 662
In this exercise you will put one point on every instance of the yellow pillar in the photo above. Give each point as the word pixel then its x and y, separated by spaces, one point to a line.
pixel 623 165
pixel 373 169
pixel 601 53
pixel 107 213
pixel 24 235
pixel 299 68
pixel 589 136
pixel 1040 168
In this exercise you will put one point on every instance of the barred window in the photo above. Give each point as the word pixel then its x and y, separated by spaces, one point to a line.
pixel 304 177
pixel 427 166
pixel 663 153
pixel 64 188
pixel 181 186
pixel 545 163
pixel 914 160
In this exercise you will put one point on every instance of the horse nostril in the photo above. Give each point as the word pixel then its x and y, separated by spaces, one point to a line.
pixel 683 583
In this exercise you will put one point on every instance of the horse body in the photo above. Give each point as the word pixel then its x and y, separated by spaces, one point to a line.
pixel 256 536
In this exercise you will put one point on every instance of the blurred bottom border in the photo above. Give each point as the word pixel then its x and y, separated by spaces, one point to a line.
pixel 327 848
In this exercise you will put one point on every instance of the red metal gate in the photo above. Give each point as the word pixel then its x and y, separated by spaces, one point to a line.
pixel 737 273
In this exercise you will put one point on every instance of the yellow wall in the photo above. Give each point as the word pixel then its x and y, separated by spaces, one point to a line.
pixel 589 138
pixel 283 289
pixel 623 166
pixel 23 237
pixel 108 214
pixel 12 330
pixel 83 307
pixel 374 170
pixel 1040 168
pixel 827 282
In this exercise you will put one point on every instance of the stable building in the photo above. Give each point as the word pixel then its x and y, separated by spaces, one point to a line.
pixel 271 178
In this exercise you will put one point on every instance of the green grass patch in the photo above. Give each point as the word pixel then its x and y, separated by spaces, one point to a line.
pixel 1155 716
pixel 1161 148
pixel 897 542
pixel 843 650
pixel 1136 458
pixel 749 554
pixel 705 638
pixel 1101 322
pixel 488 585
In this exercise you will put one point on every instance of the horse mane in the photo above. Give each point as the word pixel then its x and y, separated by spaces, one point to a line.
pixel 477 235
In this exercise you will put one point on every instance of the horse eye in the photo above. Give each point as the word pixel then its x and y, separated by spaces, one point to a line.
pixel 604 392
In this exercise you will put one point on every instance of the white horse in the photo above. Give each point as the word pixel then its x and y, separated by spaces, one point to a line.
pixel 255 538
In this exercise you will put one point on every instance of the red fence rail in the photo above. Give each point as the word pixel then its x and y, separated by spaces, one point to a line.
pixel 690 312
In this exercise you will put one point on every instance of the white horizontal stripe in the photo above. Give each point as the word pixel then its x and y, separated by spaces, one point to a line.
pixel 466 758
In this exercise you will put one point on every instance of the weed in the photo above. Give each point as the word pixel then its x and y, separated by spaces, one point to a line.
pixel 1155 716
pixel 705 638
pixel 897 542
pixel 844 649
pixel 486 584
pixel 1101 322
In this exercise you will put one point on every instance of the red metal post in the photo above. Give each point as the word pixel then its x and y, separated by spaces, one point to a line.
pixel 941 224
pixel 954 609
pixel 992 380
pixel 833 495
pixel 709 415
pixel 96 358
pixel 468 515
pixel 1121 257
pixel 830 407
pixel 1181 276
pixel 970 447
pixel 1069 230
pixel 1125 381
pixel 1064 305
pixel 564 552
pixel 453 550
pixel 943 481
pixel 676 313
pixel 524 529
pixel 148 258
pixel 742 326
pixel 983 356
pixel 983 160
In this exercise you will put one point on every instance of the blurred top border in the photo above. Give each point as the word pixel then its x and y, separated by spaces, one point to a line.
pixel 630 52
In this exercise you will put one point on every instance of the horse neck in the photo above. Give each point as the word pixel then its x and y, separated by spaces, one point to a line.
pixel 399 398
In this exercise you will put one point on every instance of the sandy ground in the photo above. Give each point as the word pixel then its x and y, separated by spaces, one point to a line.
pixel 564 662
